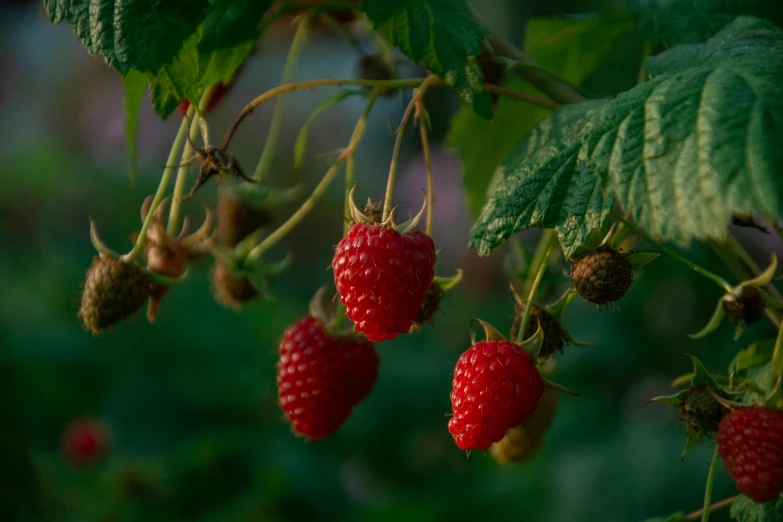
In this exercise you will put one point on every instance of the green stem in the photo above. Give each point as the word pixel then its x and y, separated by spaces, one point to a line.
pixel 187 152
pixel 297 217
pixel 161 192
pixel 549 245
pixel 417 95
pixel 425 149
pixel 706 273
pixel 310 84
pixel 777 361
pixel 278 116
pixel 350 176
pixel 705 517
pixel 548 238
pixel 549 84
pixel 384 84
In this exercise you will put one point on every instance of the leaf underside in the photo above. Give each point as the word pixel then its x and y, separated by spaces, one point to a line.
pixel 681 152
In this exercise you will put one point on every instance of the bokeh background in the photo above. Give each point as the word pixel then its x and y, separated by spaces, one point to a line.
pixel 190 402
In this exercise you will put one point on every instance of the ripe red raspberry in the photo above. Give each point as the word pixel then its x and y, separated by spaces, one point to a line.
pixel 750 442
pixel 84 442
pixel 496 386
pixel 320 379
pixel 382 277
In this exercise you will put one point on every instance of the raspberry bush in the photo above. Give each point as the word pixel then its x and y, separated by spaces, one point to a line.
pixel 600 180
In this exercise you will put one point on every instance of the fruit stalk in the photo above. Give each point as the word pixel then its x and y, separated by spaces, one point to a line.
pixel 179 184
pixel 176 147
pixel 425 149
pixel 548 238
pixel 777 359
pixel 706 273
pixel 311 84
pixel 278 116
pixel 318 191
pixel 533 289
pixel 726 502
pixel 705 516
pixel 417 95
pixel 385 84
pixel 554 87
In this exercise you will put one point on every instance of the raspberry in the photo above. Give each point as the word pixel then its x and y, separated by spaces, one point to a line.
pixel 496 386
pixel 382 277
pixel 231 290
pixel 750 442
pixel 602 276
pixel 521 443
pixel 320 379
pixel 84 442
pixel 554 336
pixel 745 309
pixel 112 291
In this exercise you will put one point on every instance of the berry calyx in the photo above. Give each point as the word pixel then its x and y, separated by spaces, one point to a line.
pixel 522 442
pixel 496 386
pixel 85 441
pixel 554 335
pixel 750 442
pixel 745 308
pixel 113 290
pixel 433 298
pixel 232 290
pixel 321 378
pixel 602 276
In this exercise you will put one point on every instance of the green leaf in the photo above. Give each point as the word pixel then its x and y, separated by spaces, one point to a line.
pixel 545 183
pixel 211 55
pixel 177 80
pixel 130 34
pixel 745 510
pixel 301 140
pixel 231 30
pixel 571 49
pixel 443 35
pixel 135 84
pixel 676 22
pixel 688 148
pixel 757 354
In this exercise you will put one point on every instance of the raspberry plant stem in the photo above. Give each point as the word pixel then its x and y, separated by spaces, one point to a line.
pixel 176 147
pixel 777 362
pixel 387 84
pixel 278 116
pixel 421 116
pixel 549 243
pixel 318 191
pixel 187 152
pixel 417 95
pixel 548 83
pixel 726 502
pixel 705 516
pixel 706 273
pixel 547 239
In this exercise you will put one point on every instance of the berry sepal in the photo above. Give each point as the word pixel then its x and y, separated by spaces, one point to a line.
pixel 744 304
pixel 702 405
pixel 433 298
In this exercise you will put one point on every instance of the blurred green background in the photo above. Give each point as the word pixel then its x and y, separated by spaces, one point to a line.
pixel 190 402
